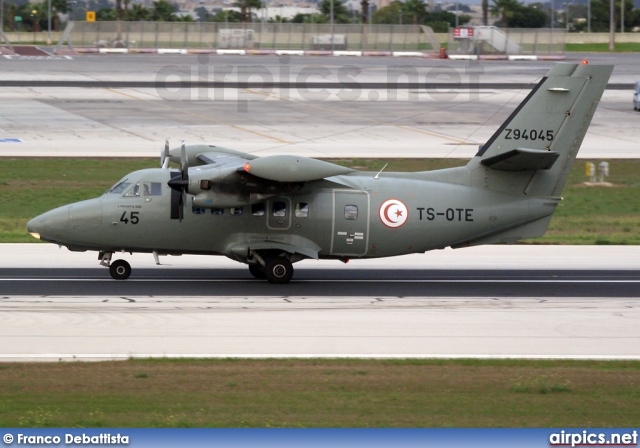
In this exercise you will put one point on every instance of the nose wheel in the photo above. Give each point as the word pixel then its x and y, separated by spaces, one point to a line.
pixel 120 270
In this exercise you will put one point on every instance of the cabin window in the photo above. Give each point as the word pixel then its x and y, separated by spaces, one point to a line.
pixel 302 210
pixel 236 211
pixel 279 209
pixel 258 209
pixel 217 211
pixel 351 212
pixel 151 189
pixel 198 210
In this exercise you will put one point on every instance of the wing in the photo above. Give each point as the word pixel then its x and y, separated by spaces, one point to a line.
pixel 280 168
pixel 221 177
pixel 198 155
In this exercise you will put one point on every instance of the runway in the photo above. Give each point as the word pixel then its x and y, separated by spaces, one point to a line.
pixel 371 283
pixel 493 301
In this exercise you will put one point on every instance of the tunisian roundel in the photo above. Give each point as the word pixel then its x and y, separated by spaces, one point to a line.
pixel 393 213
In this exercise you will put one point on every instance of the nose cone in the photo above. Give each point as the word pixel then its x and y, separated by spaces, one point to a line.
pixel 37 227
pixel 50 226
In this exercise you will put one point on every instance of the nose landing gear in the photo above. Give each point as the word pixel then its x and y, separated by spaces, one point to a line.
pixel 119 269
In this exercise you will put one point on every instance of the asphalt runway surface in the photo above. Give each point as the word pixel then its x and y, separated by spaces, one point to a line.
pixel 371 283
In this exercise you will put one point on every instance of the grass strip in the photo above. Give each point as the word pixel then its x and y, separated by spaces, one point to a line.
pixel 321 393
pixel 588 215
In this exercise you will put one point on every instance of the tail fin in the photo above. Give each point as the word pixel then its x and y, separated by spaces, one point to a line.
pixel 542 136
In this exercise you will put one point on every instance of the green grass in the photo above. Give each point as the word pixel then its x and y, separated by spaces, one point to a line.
pixel 321 393
pixel 588 215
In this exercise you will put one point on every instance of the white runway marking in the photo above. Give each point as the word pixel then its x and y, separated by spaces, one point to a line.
pixel 245 280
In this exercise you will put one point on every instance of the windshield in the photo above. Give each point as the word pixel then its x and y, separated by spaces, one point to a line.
pixel 119 187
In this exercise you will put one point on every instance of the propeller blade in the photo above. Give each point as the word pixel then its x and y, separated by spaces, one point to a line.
pixel 183 201
pixel 180 186
pixel 165 156
pixel 184 165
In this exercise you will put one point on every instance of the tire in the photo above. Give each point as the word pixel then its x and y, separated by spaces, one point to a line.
pixel 257 271
pixel 120 270
pixel 278 270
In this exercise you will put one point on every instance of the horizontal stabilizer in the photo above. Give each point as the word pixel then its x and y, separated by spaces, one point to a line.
pixel 293 169
pixel 522 159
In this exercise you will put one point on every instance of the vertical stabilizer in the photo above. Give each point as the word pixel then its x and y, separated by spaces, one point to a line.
pixel 542 136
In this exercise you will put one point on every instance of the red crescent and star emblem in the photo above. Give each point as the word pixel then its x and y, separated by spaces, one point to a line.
pixel 393 213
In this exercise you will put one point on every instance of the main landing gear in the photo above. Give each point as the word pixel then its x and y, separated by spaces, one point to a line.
pixel 276 270
pixel 119 269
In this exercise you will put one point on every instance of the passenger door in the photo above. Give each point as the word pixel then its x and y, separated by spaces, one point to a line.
pixel 350 230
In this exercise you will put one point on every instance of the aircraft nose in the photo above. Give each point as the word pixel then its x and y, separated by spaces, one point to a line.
pixel 51 225
pixel 37 227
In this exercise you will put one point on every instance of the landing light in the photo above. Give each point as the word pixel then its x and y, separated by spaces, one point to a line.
pixel 36 235
pixel 247 167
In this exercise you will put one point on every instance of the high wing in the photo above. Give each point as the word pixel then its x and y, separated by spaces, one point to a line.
pixel 280 168
pixel 222 177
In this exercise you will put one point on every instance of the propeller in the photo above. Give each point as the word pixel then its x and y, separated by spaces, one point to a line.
pixel 165 156
pixel 180 186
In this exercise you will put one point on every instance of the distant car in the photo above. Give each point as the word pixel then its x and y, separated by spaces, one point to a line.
pixel 636 96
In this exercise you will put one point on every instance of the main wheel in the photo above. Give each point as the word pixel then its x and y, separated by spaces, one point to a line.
pixel 120 270
pixel 278 270
pixel 257 271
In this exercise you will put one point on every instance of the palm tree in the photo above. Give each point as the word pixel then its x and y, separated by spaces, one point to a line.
pixel 255 4
pixel 246 6
pixel 485 12
pixel 415 8
pixel 58 6
pixel 162 11
pixel 138 12
pixel 504 9
pixel 340 12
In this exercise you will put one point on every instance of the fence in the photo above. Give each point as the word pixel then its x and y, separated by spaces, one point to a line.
pixel 489 40
pixel 264 36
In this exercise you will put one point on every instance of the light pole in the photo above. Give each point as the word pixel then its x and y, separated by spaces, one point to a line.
pixel 400 17
pixel 553 19
pixel 612 27
pixel 456 14
pixel 49 22
pixel 331 21
pixel 34 18
pixel 622 16
pixel 588 16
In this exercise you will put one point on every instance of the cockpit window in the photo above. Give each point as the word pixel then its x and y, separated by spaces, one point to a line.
pixel 133 191
pixel 138 189
pixel 119 187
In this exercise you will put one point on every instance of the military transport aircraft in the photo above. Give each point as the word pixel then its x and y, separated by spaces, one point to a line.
pixel 270 212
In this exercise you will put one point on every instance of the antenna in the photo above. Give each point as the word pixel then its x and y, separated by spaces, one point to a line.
pixel 378 175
